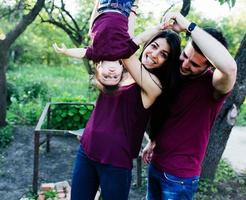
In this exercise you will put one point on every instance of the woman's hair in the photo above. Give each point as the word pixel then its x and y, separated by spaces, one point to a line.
pixel 169 76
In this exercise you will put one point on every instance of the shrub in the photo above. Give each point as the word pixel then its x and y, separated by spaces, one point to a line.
pixel 12 91
pixel 34 90
pixel 208 188
pixel 25 114
pixel 70 117
pixel 6 135
pixel 50 194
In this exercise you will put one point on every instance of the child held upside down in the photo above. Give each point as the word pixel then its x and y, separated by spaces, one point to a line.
pixel 111 39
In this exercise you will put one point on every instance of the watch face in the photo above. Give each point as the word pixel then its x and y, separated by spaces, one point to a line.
pixel 191 26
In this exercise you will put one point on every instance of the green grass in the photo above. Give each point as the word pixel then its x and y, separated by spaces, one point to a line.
pixel 241 119
pixel 72 79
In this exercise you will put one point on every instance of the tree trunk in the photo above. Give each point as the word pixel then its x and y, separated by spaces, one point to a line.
pixel 3 88
pixel 222 129
pixel 185 8
pixel 4 49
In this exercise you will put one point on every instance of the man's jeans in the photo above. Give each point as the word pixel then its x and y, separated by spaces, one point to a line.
pixel 89 174
pixel 163 186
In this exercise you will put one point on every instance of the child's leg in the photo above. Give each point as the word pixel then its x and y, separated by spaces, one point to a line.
pixel 124 6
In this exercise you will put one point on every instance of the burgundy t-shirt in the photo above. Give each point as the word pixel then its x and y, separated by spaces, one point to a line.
pixel 182 142
pixel 111 40
pixel 114 132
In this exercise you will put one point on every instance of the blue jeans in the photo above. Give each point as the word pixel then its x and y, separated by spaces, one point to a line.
pixel 163 186
pixel 124 6
pixel 88 175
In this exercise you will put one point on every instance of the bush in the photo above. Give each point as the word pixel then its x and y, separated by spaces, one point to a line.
pixel 208 188
pixel 69 117
pixel 12 91
pixel 25 114
pixel 6 135
pixel 34 90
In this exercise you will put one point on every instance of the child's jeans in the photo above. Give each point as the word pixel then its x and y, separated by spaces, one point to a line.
pixel 124 6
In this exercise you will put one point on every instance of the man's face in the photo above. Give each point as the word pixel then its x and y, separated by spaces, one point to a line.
pixel 109 72
pixel 192 63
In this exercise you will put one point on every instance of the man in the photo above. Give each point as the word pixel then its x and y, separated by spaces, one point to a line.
pixel 177 151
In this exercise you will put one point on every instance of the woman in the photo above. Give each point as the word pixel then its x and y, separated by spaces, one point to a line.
pixel 114 132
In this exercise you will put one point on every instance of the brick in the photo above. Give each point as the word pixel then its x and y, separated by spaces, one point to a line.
pixel 47 186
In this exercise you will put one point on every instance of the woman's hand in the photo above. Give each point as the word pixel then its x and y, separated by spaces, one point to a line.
pixel 148 152
pixel 175 21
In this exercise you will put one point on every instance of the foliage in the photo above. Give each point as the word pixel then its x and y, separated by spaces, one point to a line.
pixel 232 28
pixel 241 119
pixel 39 49
pixel 70 117
pixel 6 135
pixel 230 3
pixel 50 194
pixel 72 79
pixel 208 188
pixel 24 113
pixel 12 91
pixel 32 86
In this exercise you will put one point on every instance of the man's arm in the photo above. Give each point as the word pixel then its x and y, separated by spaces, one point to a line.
pixel 224 76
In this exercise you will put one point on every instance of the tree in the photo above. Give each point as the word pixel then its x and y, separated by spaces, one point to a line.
pixel 225 121
pixel 5 45
pixel 75 28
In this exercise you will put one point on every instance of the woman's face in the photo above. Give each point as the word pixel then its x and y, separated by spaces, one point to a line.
pixel 156 53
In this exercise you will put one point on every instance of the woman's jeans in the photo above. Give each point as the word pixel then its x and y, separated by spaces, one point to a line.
pixel 163 186
pixel 124 6
pixel 88 175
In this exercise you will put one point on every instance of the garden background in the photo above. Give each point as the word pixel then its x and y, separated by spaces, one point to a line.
pixel 32 74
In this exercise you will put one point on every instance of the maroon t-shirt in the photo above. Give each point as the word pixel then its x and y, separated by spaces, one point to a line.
pixel 111 40
pixel 182 142
pixel 114 132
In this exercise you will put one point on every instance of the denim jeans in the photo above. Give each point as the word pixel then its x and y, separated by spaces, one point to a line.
pixel 124 6
pixel 88 175
pixel 163 186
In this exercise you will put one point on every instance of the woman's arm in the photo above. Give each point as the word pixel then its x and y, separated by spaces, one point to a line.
pixel 150 84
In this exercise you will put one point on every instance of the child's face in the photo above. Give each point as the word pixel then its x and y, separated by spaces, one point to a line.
pixel 109 72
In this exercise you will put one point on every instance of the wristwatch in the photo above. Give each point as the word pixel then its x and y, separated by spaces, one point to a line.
pixel 191 27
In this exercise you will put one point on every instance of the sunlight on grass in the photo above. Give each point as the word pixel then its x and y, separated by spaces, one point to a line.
pixel 72 79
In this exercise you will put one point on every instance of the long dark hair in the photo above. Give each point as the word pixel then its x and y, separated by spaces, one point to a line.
pixel 169 76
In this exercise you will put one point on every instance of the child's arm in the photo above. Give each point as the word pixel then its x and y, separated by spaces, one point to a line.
pixel 73 52
pixel 147 34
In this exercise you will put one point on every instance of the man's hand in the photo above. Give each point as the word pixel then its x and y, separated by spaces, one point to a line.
pixel 148 152
pixel 175 21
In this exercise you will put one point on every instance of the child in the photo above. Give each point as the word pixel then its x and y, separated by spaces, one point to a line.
pixel 111 40
pixel 109 33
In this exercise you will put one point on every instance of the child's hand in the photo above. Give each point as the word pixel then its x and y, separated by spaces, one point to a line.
pixel 61 49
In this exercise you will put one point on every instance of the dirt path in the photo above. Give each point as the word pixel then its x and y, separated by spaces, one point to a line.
pixel 16 164
pixel 236 148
